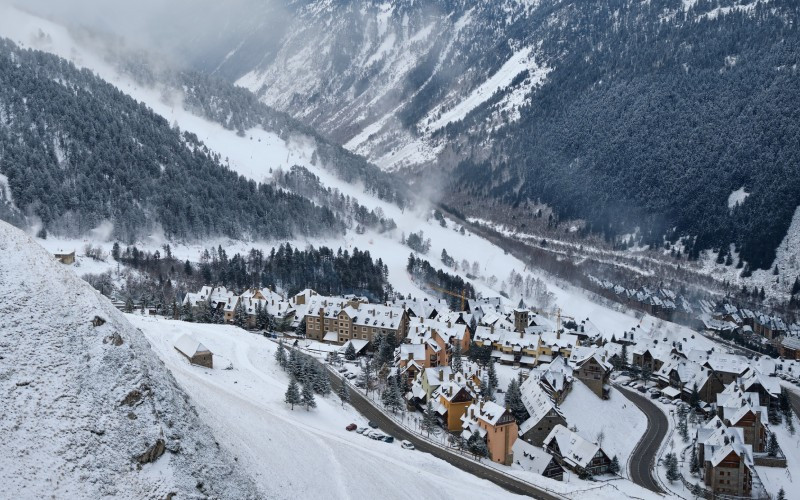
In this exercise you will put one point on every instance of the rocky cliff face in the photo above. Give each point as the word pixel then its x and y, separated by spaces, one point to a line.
pixel 90 411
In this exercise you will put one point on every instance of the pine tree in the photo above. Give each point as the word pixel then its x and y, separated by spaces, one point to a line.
pixel 694 398
pixel 513 401
pixel 392 397
pixel 614 467
pixel 308 397
pixel 671 463
pixel 128 305
pixel 293 394
pixel 781 495
pixel 207 314
pixel 455 358
pixel 367 376
pixel 344 393
pixel 350 352
pixel 322 382
pixel 473 325
pixel 491 381
pixel 295 364
pixel 429 419
pixel 623 362
pixel 477 446
pixel 187 313
pixel 239 315
pixel 176 311
pixel 301 328
pixel 694 464
pixel 280 355
pixel 772 445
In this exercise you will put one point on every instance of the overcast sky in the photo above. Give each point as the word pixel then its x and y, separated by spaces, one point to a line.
pixel 185 27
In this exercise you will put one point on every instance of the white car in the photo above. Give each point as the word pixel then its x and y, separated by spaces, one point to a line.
pixel 408 445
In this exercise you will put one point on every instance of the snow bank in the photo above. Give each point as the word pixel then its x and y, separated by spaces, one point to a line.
pixel 83 405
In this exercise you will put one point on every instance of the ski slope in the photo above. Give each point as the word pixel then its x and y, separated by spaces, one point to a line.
pixel 297 453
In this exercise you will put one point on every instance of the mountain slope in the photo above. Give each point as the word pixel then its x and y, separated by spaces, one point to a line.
pixel 76 152
pixel 617 114
pixel 83 405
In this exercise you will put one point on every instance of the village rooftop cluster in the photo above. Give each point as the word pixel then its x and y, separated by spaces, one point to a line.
pixel 443 365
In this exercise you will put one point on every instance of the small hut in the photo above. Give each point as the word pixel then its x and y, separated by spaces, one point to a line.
pixel 66 258
pixel 194 351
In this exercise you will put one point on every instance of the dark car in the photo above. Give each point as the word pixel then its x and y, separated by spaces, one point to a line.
pixel 641 388
pixel 351 427
pixel 372 424
pixel 388 439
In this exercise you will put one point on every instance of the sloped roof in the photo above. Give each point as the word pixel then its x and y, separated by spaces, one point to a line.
pixel 536 401
pixel 189 346
pixel 575 450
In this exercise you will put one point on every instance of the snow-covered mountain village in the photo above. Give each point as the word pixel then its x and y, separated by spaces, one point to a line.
pixel 467 250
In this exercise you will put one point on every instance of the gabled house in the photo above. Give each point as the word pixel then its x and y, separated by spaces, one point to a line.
pixel 535 459
pixel 451 399
pixel 544 415
pixel 195 352
pixel 576 453
pixel 743 410
pixel 727 461
pixel 591 368
pixel 496 425
pixel 555 378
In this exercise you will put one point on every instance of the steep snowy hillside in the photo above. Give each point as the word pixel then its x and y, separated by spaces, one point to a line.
pixel 245 407
pixel 90 412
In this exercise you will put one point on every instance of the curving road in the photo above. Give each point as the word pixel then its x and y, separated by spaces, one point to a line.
pixel 360 403
pixel 643 460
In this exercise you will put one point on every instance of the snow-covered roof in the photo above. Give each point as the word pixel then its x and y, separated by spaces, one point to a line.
pixel 189 346
pixel 529 457
pixel 575 450
pixel 536 401
pixel 719 441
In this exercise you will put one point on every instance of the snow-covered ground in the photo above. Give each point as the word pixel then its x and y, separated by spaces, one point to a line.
pixel 297 453
pixel 618 421
pixel 70 421
pixel 523 59
pixel 775 478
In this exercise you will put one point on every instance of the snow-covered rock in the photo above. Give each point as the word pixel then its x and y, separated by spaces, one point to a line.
pixel 83 415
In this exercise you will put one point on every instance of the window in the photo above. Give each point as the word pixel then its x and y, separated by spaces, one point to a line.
pixel 363 335
pixel 364 329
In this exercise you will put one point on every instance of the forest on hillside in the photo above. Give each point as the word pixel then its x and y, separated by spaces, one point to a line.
pixel 652 116
pixel 77 152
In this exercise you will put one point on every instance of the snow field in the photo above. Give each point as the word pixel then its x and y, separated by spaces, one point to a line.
pixel 297 453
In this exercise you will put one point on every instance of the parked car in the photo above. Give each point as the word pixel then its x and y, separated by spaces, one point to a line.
pixel 351 427
pixel 373 424
pixel 408 445
pixel 388 439
pixel 655 395
pixel 361 430
pixel 377 436
pixel 641 388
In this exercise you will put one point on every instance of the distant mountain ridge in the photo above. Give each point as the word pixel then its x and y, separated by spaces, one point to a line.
pixel 621 114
